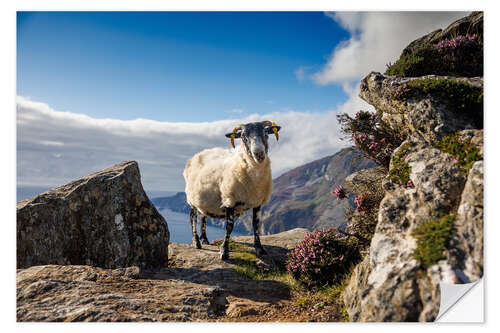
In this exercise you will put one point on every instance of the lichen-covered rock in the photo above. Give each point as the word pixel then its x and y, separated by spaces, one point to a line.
pixel 398 288
pixel 430 222
pixel 196 286
pixel 85 293
pixel 104 220
pixel 366 180
pixel 425 116
pixel 466 253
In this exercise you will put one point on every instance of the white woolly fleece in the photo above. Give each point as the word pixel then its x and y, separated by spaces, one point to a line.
pixel 217 178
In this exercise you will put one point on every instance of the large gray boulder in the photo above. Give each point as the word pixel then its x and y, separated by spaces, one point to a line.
pixel 104 220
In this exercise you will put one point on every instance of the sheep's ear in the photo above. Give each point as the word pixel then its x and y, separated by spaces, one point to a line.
pixel 270 129
pixel 273 130
pixel 237 135
pixel 232 136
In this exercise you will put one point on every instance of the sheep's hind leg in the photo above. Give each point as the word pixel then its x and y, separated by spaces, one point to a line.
pixel 193 221
pixel 224 248
pixel 259 250
pixel 203 230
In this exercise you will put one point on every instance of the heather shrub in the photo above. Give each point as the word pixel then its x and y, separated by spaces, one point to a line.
pixel 323 257
pixel 458 56
pixel 362 220
pixel 371 135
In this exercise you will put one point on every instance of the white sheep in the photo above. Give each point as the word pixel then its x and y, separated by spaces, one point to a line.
pixel 224 183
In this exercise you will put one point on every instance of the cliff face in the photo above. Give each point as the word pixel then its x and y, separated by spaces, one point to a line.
pixel 104 219
pixel 432 231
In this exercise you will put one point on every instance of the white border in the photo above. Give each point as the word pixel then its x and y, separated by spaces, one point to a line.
pixel 8 175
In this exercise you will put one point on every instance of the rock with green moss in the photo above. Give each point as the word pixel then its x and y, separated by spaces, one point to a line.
pixel 425 108
pixel 391 291
pixel 433 238
pixel 469 25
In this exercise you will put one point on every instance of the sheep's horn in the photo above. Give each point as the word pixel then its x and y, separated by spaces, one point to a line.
pixel 236 129
pixel 275 130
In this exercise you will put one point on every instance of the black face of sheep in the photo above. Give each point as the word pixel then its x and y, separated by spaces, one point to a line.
pixel 255 137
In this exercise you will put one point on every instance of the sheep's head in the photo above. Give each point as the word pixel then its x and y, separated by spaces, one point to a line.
pixel 255 136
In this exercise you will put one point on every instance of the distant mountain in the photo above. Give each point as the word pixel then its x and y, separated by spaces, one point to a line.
pixel 301 197
pixel 176 203
pixel 26 192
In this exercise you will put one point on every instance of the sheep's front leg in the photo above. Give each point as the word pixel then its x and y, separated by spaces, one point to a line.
pixel 259 250
pixel 203 230
pixel 224 248
pixel 193 220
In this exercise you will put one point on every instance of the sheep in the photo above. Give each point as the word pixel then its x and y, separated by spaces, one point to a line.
pixel 223 183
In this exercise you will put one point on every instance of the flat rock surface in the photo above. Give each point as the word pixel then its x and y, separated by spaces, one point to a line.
pixel 197 286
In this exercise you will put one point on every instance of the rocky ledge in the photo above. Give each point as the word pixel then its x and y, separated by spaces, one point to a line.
pixel 196 286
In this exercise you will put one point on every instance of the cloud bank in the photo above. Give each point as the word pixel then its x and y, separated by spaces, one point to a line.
pixel 55 147
pixel 377 38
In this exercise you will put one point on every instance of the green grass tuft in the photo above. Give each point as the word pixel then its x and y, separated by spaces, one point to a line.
pixel 400 171
pixel 465 152
pixel 432 238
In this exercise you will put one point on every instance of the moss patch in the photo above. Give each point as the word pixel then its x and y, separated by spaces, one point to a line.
pixel 460 55
pixel 412 64
pixel 400 171
pixel 463 97
pixel 432 239
pixel 465 152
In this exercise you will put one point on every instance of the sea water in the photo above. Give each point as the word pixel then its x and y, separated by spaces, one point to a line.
pixel 180 230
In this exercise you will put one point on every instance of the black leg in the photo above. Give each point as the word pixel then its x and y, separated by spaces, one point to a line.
pixel 224 248
pixel 203 230
pixel 193 220
pixel 259 250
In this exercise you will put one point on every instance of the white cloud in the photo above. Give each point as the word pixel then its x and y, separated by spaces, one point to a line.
pixel 55 147
pixel 377 38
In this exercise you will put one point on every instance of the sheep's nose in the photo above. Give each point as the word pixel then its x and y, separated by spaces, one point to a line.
pixel 260 156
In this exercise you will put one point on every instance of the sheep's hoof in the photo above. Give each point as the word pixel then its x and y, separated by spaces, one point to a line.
pixel 259 251
pixel 196 242
pixel 224 254
pixel 204 240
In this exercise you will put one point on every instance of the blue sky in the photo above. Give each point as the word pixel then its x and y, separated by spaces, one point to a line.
pixel 98 88
pixel 176 66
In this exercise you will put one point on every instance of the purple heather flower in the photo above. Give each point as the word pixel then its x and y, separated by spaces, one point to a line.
pixel 340 192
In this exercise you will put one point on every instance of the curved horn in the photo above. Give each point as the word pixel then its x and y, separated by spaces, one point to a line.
pixel 275 130
pixel 236 129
